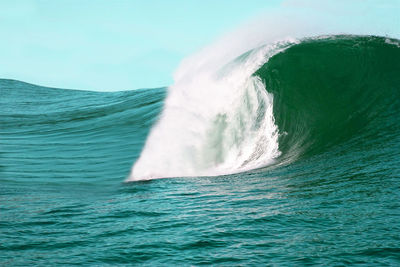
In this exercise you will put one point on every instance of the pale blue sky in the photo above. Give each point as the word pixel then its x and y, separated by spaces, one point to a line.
pixel 118 45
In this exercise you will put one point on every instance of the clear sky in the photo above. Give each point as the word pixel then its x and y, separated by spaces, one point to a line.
pixel 117 45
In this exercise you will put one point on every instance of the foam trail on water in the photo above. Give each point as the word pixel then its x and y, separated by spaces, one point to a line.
pixel 216 120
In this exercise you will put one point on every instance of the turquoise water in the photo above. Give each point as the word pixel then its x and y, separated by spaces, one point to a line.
pixel 331 198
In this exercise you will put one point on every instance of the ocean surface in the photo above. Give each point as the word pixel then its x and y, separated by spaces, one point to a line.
pixel 295 162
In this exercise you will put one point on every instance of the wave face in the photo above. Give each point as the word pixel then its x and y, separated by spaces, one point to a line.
pixel 333 89
pixel 272 105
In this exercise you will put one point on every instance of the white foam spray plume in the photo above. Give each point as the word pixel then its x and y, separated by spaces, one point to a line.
pixel 212 124
pixel 218 117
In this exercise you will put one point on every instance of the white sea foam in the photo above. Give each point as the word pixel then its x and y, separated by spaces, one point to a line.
pixel 217 119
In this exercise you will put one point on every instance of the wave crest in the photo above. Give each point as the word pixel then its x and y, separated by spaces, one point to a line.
pixel 273 104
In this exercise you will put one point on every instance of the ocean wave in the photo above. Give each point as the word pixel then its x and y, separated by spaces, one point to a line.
pixel 273 105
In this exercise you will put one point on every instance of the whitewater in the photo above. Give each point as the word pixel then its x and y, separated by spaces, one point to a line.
pixel 215 121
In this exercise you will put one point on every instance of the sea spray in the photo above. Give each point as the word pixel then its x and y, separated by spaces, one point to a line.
pixel 216 120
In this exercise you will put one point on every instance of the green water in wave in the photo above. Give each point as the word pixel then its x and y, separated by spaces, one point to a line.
pixel 329 91
pixel 335 201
